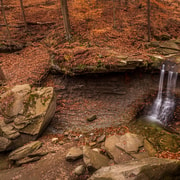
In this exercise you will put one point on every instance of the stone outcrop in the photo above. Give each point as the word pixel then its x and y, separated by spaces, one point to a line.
pixel 26 112
pixel 148 168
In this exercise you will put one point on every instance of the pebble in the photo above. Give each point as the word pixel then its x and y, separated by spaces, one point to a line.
pixel 92 144
pixel 79 170
pixel 54 140
pixel 66 133
pixel 61 142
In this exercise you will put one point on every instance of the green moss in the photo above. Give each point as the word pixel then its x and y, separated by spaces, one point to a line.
pixel 158 136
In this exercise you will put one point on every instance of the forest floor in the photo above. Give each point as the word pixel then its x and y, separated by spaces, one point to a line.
pixel 94 42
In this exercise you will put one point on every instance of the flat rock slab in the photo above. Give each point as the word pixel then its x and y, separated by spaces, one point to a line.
pixel 114 152
pixel 148 168
pixel 130 142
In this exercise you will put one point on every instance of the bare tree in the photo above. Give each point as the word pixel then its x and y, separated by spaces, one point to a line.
pixel 5 20
pixel 148 20
pixel 2 77
pixel 65 14
pixel 24 17
pixel 114 14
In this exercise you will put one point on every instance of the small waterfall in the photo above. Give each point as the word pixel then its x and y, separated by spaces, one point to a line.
pixel 163 108
pixel 154 113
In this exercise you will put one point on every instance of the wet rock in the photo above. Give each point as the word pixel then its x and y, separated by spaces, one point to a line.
pixel 27 113
pixel 113 151
pixel 27 160
pixel 93 159
pixel 92 118
pixel 4 144
pixel 159 138
pixel 74 154
pixel 101 139
pixel 24 151
pixel 149 148
pixel 79 170
pixel 148 168
pixel 130 142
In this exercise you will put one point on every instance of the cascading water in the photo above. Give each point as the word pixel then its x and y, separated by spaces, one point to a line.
pixel 163 107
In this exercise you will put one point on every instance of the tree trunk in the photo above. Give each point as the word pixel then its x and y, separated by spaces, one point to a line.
pixel 114 14
pixel 2 77
pixel 64 10
pixel 5 20
pixel 148 20
pixel 24 17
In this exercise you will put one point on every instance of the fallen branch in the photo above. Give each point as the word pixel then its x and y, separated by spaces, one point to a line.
pixel 28 23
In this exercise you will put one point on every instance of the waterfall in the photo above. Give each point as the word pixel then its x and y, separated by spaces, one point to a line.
pixel 163 107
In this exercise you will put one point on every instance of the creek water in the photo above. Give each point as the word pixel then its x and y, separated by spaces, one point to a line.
pixel 163 107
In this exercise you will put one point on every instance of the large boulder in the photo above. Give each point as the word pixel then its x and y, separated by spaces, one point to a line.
pixel 117 154
pixel 130 142
pixel 144 169
pixel 93 159
pixel 26 112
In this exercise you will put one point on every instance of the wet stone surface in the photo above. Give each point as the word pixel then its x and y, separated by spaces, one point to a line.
pixel 113 98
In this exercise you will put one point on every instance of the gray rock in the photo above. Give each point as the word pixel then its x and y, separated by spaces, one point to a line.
pixel 74 154
pixel 4 144
pixel 79 170
pixel 145 169
pixel 93 159
pixel 24 151
pixel 130 142
pixel 113 151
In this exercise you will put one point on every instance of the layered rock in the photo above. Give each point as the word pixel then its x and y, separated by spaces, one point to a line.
pixel 26 112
